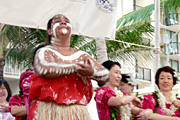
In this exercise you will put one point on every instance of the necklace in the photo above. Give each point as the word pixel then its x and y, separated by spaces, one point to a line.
pixel 161 100
pixel 124 110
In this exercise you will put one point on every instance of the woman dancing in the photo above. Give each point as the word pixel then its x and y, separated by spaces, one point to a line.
pixel 61 88
pixel 113 104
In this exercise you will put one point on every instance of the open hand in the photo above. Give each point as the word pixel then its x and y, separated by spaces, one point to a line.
pixel 144 114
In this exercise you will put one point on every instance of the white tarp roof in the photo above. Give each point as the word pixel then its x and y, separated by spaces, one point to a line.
pixel 94 18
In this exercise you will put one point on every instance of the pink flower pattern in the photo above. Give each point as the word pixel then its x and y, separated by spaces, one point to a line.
pixel 149 103
pixel 102 96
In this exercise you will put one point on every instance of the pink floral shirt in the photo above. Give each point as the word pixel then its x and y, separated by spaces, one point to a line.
pixel 16 100
pixel 102 96
pixel 149 103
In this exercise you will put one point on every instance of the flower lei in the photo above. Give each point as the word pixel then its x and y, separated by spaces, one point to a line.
pixel 176 76
pixel 140 97
pixel 20 95
pixel 161 101
pixel 125 109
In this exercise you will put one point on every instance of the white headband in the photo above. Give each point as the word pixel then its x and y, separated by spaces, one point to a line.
pixel 133 81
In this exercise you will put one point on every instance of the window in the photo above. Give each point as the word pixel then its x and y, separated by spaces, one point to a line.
pixel 172 19
pixel 136 7
pixel 143 73
pixel 173 46
pixel 174 64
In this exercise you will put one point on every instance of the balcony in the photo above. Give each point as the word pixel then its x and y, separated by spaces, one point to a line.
pixel 143 73
pixel 12 72
pixel 136 7
pixel 172 19
pixel 174 48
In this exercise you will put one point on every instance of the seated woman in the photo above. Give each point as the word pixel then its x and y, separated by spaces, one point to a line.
pixel 163 102
pixel 114 104
pixel 5 94
pixel 62 87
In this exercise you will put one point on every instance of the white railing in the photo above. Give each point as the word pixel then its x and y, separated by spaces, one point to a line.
pixel 12 71
pixel 127 70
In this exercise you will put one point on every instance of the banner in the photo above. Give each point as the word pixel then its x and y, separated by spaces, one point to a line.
pixel 93 18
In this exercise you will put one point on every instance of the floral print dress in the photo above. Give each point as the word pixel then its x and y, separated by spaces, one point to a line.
pixel 149 102
pixel 102 96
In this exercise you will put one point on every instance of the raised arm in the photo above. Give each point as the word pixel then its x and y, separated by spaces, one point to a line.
pixel 155 116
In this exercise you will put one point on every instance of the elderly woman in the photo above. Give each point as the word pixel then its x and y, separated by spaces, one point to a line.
pixel 62 88
pixel 163 102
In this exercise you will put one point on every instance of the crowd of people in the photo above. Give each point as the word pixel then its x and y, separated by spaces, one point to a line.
pixel 59 87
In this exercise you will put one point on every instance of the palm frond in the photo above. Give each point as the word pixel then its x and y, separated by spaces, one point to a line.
pixel 141 15
pixel 171 6
pixel 23 42
pixel 136 17
pixel 84 43
pixel 135 33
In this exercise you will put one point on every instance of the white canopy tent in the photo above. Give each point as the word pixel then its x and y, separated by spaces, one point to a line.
pixel 94 18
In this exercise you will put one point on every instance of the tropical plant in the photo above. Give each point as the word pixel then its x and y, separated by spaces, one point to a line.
pixel 137 24
pixel 21 43
pixel 132 29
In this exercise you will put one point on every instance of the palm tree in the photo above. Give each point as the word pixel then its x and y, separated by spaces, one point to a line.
pixel 2 55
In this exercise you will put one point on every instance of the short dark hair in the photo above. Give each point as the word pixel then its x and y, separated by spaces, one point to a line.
pixel 124 78
pixel 49 27
pixel 108 65
pixel 165 69
pixel 3 81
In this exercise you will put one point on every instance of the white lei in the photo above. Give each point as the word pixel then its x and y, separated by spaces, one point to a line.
pixel 125 110
pixel 162 103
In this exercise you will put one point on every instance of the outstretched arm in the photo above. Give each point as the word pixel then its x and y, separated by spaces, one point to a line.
pixel 118 101
pixel 18 111
pixel 155 116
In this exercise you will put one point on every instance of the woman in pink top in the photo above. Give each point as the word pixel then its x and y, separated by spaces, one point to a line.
pixel 19 104
pixel 163 102
pixel 5 94
pixel 114 104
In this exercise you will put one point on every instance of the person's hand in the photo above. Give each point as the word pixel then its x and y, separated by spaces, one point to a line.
pixel 3 107
pixel 176 103
pixel 137 102
pixel 144 114
pixel 85 69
